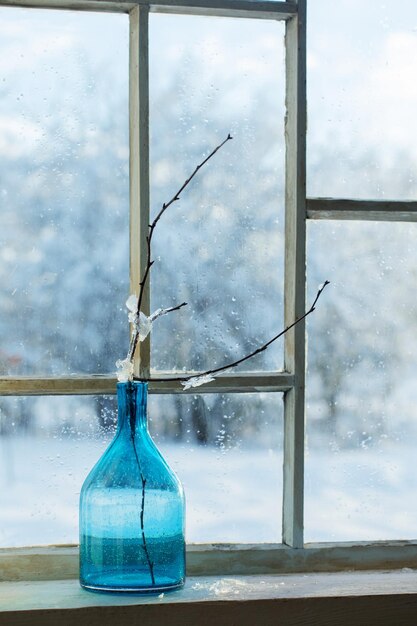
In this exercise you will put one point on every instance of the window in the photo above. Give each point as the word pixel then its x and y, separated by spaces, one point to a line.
pixel 359 475
pixel 67 116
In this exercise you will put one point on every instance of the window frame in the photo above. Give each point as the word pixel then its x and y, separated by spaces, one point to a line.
pixel 292 554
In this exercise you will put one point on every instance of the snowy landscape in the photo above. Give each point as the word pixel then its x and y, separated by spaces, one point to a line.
pixel 232 495
pixel 64 258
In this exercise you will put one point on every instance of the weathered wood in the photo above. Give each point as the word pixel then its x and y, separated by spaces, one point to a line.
pixel 371 210
pixel 261 559
pixel 237 383
pixel 359 599
pixel 139 167
pixel 372 610
pixel 58 386
pixel 228 8
pixel 273 10
pixel 93 385
pixel 107 6
pixel 61 562
pixel 295 236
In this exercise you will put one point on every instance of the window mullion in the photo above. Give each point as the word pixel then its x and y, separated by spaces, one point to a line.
pixel 252 9
pixel 270 10
pixel 57 385
pixel 370 210
pixel 139 165
pixel 251 382
pixel 295 235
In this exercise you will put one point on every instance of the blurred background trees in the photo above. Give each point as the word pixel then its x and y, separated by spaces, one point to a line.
pixel 64 234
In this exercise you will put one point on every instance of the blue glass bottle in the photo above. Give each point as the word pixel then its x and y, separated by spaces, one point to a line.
pixel 132 510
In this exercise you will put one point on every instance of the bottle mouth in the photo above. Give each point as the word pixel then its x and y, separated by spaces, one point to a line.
pixel 132 383
pixel 133 389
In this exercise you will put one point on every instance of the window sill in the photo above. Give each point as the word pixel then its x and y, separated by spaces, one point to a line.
pixel 345 598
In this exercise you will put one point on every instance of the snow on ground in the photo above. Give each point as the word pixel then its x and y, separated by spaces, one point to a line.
pixel 361 494
pixel 233 495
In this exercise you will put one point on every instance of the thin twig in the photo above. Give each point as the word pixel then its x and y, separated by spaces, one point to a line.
pixel 168 310
pixel 248 356
pixel 142 526
pixel 149 262
pixel 135 335
pixel 136 332
pixel 132 420
pixel 142 512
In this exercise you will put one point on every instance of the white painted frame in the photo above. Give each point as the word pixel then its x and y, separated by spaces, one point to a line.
pixel 292 554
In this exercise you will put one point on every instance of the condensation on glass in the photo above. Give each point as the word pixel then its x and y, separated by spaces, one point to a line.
pixel 48 444
pixel 221 247
pixel 226 450
pixel 64 205
pixel 362 99
pixel 361 391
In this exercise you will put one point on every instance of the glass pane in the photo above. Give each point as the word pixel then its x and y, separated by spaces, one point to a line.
pixel 64 191
pixel 362 98
pixel 221 247
pixel 226 449
pixel 47 447
pixel 362 362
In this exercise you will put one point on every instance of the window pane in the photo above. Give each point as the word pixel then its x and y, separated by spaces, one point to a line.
pixel 47 447
pixel 64 191
pixel 221 247
pixel 226 449
pixel 362 98
pixel 362 362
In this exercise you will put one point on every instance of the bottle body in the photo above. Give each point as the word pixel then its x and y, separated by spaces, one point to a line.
pixel 132 510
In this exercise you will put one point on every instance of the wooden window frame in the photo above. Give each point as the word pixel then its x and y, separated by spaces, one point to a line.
pixel 293 554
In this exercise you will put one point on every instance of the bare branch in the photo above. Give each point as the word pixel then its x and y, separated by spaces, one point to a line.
pixel 153 317
pixel 169 310
pixel 142 512
pixel 248 356
pixel 149 262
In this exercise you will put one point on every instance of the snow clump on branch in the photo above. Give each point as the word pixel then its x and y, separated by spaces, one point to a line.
pixel 196 381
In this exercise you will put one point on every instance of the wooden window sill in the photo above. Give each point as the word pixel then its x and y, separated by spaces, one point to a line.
pixel 345 598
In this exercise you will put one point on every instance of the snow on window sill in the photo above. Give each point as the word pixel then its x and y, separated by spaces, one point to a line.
pixel 384 597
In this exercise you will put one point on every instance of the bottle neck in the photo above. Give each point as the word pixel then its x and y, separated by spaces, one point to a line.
pixel 132 401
